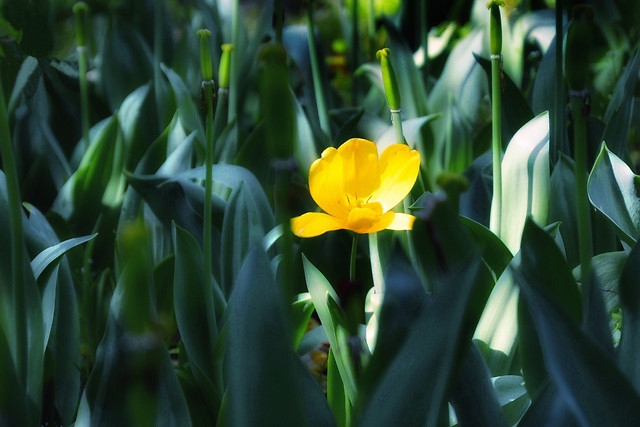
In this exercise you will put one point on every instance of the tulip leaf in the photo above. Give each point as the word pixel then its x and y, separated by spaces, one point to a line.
pixel 188 112
pixel 195 313
pixel 302 309
pixel 613 189
pixel 52 253
pixel 263 387
pixel 414 384
pixel 569 353
pixel 525 181
pixel 321 291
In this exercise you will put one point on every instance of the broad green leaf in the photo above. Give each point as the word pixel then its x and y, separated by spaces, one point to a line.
pixel 562 206
pixel 302 309
pixel 525 181
pixel 263 389
pixel 473 396
pixel 415 383
pixel 25 81
pixel 187 110
pixel 195 313
pixel 613 189
pixel 304 146
pixel 52 253
pixel 512 395
pixel 14 407
pixel 320 290
pixel 133 117
pixel 412 133
pixel 603 395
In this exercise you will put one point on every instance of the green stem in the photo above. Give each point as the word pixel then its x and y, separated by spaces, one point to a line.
pixel 582 202
pixel 84 94
pixel 496 203
pixel 208 186
pixel 376 265
pixel 279 15
pixel 233 81
pixel 157 57
pixel 315 69
pixel 396 120
pixel 17 241
pixel 354 253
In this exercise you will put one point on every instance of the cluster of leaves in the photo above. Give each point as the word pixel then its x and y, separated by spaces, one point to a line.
pixel 115 322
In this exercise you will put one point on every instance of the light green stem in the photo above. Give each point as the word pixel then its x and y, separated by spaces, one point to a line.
pixel 376 265
pixel 84 94
pixel 315 69
pixel 233 81
pixel 559 102
pixel 17 241
pixel 396 120
pixel 496 203
pixel 157 58
pixel 208 187
pixel 354 253
pixel 372 28
pixel 582 202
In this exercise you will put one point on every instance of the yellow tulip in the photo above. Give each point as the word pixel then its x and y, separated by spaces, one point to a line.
pixel 357 189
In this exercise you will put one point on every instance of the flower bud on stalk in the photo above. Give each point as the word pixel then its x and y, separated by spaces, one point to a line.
pixel 391 88
pixel 495 26
pixel 579 36
pixel 205 55
pixel 225 66
pixel 81 10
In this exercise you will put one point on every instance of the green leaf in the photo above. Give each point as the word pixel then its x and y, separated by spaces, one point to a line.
pixel 52 253
pixel 562 206
pixel 415 383
pixel 188 112
pixel 26 80
pixel 302 309
pixel 586 376
pixel 195 313
pixel 263 389
pixel 320 291
pixel 525 180
pixel 512 395
pixel 613 189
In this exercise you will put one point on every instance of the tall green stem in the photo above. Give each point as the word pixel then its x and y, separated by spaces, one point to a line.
pixel 496 203
pixel 17 241
pixel 376 265
pixel 354 253
pixel 81 10
pixel 371 21
pixel 582 201
pixel 157 58
pixel 495 41
pixel 233 83
pixel 315 69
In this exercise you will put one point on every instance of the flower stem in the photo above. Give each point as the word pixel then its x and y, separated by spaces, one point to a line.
pixel 354 253
pixel 81 10
pixel 233 82
pixel 582 202
pixel 397 126
pixel 496 203
pixel 315 69
pixel 376 265
pixel 17 241
pixel 424 41
pixel 559 101
pixel 372 27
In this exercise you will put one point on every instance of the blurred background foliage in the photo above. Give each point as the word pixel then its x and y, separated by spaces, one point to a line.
pixel 109 318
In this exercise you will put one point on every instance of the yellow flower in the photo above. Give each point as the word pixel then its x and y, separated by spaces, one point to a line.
pixel 357 190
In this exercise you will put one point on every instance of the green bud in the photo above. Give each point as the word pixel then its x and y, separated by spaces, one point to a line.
pixel 225 65
pixel 205 55
pixel 578 45
pixel 81 10
pixel 391 88
pixel 495 26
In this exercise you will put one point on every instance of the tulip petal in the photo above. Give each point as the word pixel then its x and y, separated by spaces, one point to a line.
pixel 399 167
pixel 402 221
pixel 363 220
pixel 314 224
pixel 326 183
pixel 361 178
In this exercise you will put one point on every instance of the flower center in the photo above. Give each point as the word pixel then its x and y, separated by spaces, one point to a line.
pixel 363 215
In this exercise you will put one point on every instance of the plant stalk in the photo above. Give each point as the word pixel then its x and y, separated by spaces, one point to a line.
pixel 559 101
pixel 233 81
pixel 354 253
pixel 208 183
pixel 496 203
pixel 582 202
pixel 376 265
